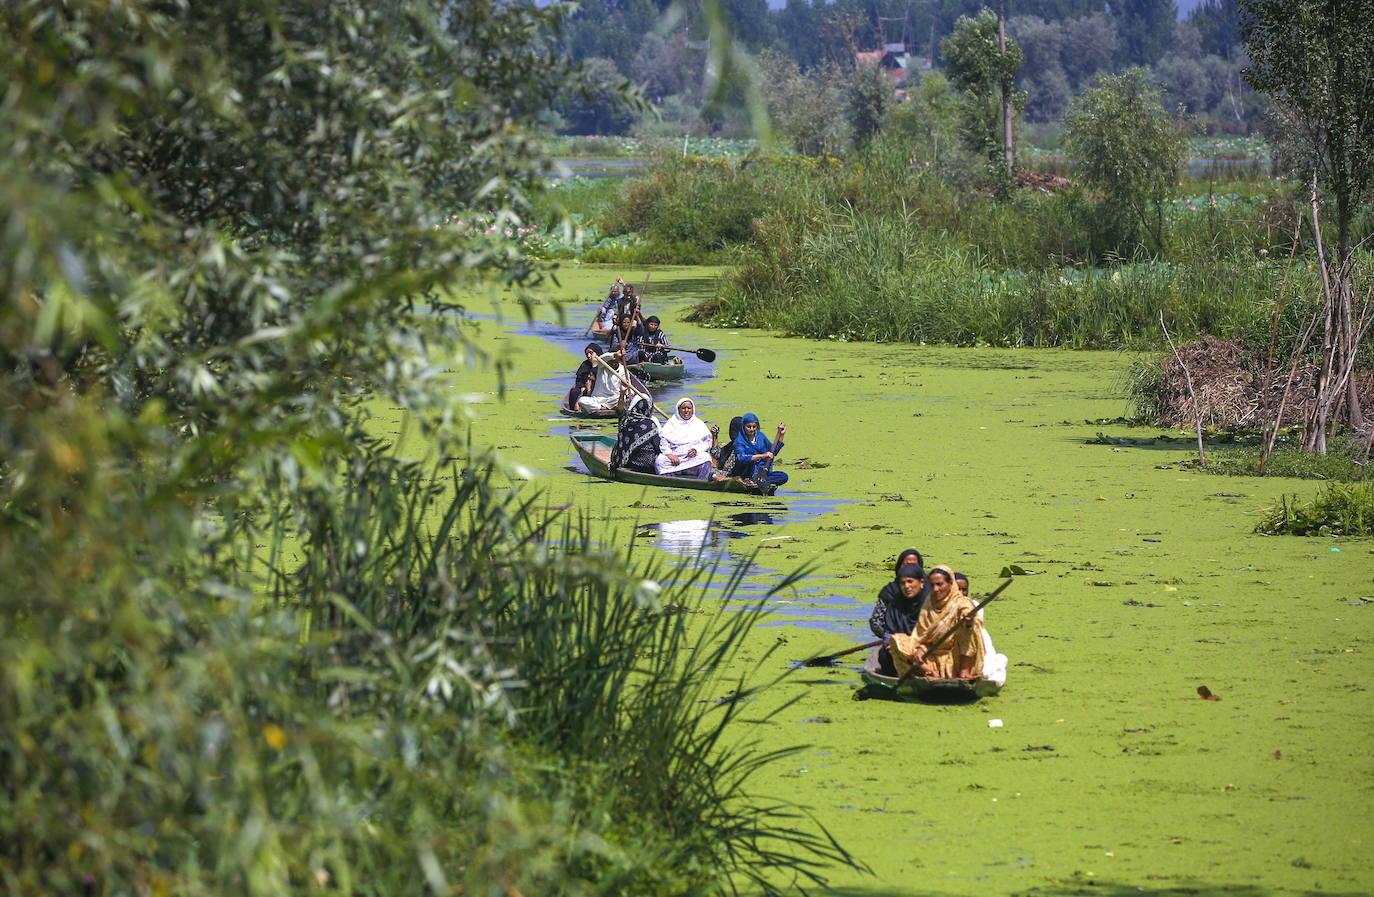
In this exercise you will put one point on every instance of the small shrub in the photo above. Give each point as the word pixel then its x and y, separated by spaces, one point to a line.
pixel 1337 510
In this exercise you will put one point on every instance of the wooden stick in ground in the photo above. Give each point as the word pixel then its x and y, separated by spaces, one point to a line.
pixel 911 671
pixel 1188 378
pixel 1273 343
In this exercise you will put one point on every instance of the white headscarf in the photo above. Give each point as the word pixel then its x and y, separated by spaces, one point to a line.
pixel 679 433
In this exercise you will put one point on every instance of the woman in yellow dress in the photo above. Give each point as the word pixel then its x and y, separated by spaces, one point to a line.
pixel 962 654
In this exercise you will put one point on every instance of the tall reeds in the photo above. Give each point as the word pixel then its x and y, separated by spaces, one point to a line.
pixel 890 278
pixel 407 680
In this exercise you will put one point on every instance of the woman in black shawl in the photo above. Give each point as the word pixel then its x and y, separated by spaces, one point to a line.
pixel 636 445
pixel 892 612
pixel 585 376
pixel 899 604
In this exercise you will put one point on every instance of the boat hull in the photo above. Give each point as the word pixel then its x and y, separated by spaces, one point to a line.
pixel 595 452
pixel 676 370
pixel 917 688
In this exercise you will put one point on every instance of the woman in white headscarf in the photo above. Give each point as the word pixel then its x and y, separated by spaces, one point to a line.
pixel 684 444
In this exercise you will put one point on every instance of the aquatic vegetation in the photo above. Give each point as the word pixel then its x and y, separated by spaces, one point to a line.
pixel 1339 509
pixel 1342 462
pixel 886 279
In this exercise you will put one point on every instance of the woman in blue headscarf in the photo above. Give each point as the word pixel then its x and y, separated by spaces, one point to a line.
pixel 754 454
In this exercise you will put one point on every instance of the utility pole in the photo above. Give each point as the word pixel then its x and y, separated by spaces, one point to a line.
pixel 1006 87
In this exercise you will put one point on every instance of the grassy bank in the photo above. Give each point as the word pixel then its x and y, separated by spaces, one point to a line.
pixel 876 247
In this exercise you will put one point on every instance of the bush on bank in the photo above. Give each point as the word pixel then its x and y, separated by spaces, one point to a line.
pixel 244 647
pixel 1339 509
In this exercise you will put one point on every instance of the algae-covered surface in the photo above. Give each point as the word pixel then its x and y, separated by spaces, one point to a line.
pixel 1108 772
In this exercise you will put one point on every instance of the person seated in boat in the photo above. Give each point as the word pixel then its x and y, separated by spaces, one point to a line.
pixel 629 302
pixel 636 445
pixel 612 382
pixel 754 453
pixel 609 312
pixel 723 453
pixel 891 613
pixel 654 342
pixel 585 377
pixel 629 335
pixel 962 653
pixel 684 444
pixel 898 606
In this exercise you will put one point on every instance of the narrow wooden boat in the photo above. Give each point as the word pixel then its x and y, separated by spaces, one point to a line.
pixel 673 370
pixel 636 383
pixel 595 452
pixel 935 691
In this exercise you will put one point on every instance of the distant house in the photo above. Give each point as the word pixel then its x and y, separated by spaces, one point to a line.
pixel 895 62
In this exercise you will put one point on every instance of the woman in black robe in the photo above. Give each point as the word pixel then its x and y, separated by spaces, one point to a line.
pixel 654 341
pixel 893 612
pixel 585 377
pixel 636 445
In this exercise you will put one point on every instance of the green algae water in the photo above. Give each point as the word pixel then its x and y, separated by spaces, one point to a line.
pixel 1099 769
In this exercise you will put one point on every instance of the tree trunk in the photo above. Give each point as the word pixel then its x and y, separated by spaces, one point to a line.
pixel 1006 86
pixel 1315 437
pixel 1350 346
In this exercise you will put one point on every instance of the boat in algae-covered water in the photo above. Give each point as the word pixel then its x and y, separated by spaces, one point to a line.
pixel 917 688
pixel 673 370
pixel 610 414
pixel 595 452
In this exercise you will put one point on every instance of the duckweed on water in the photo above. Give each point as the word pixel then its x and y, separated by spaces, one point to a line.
pixel 1109 774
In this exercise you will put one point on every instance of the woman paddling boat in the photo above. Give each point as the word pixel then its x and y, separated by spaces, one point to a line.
pixel 754 453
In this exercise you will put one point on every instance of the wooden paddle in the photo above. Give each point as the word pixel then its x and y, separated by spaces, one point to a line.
pixel 703 354
pixel 825 660
pixel 911 671
pixel 630 387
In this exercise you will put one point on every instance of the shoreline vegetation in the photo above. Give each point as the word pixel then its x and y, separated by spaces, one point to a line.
pixel 876 246
pixel 246 644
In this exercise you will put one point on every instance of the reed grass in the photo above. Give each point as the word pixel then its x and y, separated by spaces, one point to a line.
pixel 1343 462
pixel 405 680
pixel 889 278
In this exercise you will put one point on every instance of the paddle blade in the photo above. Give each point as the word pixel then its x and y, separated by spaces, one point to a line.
pixel 705 354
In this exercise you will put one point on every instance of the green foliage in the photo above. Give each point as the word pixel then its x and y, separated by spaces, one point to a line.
pixel 805 110
pixel 985 73
pixel 245 648
pixel 928 120
pixel 870 97
pixel 1316 62
pixel 884 278
pixel 1126 145
pixel 1342 463
pixel 1337 510
pixel 1145 28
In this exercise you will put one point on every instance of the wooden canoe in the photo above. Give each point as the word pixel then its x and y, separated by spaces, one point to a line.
pixel 595 452
pixel 917 688
pixel 673 370
pixel 635 383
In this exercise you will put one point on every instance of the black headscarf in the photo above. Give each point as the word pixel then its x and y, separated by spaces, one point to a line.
pixel 636 444
pixel 587 366
pixel 895 611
